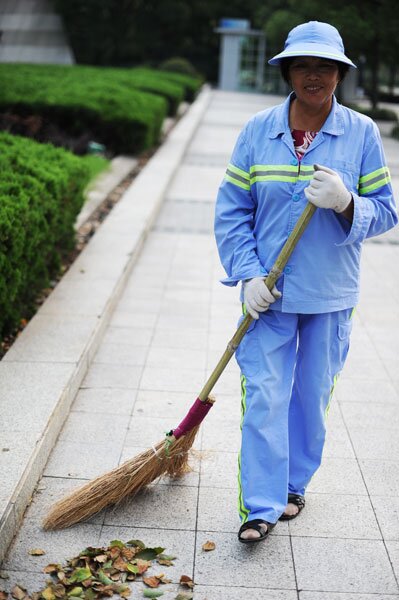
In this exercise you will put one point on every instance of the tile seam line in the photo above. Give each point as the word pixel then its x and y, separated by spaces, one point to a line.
pixel 396 579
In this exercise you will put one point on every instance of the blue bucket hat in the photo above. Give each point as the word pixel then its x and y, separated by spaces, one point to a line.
pixel 313 39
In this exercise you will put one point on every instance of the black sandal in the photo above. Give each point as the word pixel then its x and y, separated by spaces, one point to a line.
pixel 299 501
pixel 255 524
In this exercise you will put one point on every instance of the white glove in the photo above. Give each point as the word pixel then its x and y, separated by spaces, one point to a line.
pixel 257 296
pixel 327 190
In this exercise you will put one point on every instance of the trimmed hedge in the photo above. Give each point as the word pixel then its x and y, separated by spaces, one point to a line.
pixel 190 84
pixel 100 103
pixel 41 193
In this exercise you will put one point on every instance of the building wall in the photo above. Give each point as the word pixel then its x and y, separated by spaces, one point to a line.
pixel 31 32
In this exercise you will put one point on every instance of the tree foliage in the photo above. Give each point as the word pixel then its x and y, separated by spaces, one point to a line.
pixel 368 27
pixel 126 32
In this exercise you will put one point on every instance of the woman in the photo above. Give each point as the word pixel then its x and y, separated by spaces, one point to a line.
pixel 309 148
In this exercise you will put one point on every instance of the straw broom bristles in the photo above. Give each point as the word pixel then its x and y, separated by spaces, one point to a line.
pixel 125 480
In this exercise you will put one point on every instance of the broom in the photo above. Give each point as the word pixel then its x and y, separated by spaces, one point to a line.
pixel 170 456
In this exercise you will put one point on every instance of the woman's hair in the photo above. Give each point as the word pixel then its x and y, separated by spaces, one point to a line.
pixel 286 62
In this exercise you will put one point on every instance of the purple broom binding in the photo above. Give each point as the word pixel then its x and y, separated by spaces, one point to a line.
pixel 194 417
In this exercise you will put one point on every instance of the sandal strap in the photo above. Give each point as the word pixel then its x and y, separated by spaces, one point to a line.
pixel 296 499
pixel 256 524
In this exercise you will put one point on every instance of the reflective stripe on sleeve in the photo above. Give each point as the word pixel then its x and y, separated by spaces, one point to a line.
pixel 374 180
pixel 237 177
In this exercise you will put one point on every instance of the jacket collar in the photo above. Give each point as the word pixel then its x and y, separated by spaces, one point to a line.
pixel 334 124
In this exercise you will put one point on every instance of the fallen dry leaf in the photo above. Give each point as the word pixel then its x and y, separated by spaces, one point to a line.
pixel 208 546
pixel 51 568
pixel 163 579
pixel 18 592
pixel 3 595
pixel 187 581
pixel 152 582
pixel 36 552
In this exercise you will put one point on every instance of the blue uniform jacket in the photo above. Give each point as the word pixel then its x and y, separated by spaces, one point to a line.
pixel 262 196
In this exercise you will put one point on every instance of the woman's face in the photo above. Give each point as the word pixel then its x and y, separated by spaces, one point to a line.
pixel 313 80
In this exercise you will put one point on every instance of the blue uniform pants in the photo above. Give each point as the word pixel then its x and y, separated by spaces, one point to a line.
pixel 289 364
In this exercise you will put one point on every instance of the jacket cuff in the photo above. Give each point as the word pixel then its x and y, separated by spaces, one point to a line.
pixel 363 212
pixel 234 279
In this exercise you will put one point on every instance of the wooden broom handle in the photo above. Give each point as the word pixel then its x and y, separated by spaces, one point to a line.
pixel 270 281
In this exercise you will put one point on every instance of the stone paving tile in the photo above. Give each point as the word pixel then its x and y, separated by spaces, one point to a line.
pixel 367 391
pixel 227 441
pixel 186 339
pixel 340 517
pixel 94 428
pixel 177 322
pixel 392 368
pixel 338 476
pixel 393 552
pixel 133 318
pixel 338 444
pixel 105 400
pixel 210 140
pixel 381 477
pixel 369 443
pixel 135 336
pixel 176 543
pixel 226 592
pixel 356 366
pixel 53 339
pixel 13 460
pixel 343 566
pixel 168 405
pixel 173 380
pixel 136 302
pixel 113 376
pixel 196 182
pixel 267 565
pixel 349 596
pixel 375 416
pixel 159 507
pixel 217 510
pixel 387 513
pixel 82 460
pixel 219 469
pixel 121 354
pixel 17 403
pixel 179 358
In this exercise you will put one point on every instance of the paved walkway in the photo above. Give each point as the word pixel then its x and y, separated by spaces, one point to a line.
pixel 165 336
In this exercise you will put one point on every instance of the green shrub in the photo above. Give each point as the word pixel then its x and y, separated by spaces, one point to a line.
pixel 99 103
pixel 41 193
pixel 191 85
pixel 179 65
pixel 395 132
